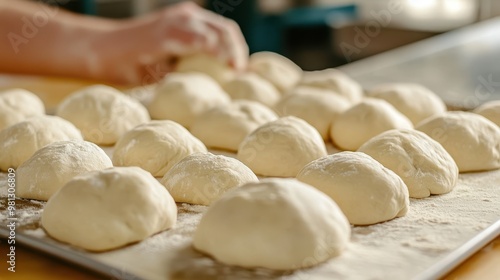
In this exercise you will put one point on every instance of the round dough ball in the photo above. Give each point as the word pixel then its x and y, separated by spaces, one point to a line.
pixel 156 146
pixel 277 69
pixel 102 113
pixel 182 97
pixel 336 81
pixel 250 86
pixel 365 190
pixel 365 120
pixel 20 141
pixel 17 104
pixel 225 127
pixel 317 108
pixel 472 140
pixel 207 64
pixel 277 223
pixel 202 178
pixel 490 110
pixel 415 101
pixel 423 164
pixel 55 164
pixel 106 209
pixel 282 147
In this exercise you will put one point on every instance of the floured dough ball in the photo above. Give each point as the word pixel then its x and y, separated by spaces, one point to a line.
pixel 181 97
pixel 20 141
pixel 317 108
pixel 423 164
pixel 415 101
pixel 156 146
pixel 250 86
pixel 17 104
pixel 490 110
pixel 55 164
pixel 336 81
pixel 225 127
pixel 106 209
pixel 282 147
pixel 365 190
pixel 360 123
pixel 207 64
pixel 202 178
pixel 278 224
pixel 277 69
pixel 472 140
pixel 102 113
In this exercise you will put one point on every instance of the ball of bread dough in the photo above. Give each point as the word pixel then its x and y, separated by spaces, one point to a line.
pixel 281 148
pixel 415 101
pixel 181 97
pixel 277 223
pixel 423 164
pixel 55 164
pixel 490 110
pixel 17 104
pixel 106 209
pixel 207 64
pixel 202 178
pixel 336 81
pixel 365 120
pixel 472 140
pixel 102 113
pixel 317 108
pixel 250 86
pixel 20 141
pixel 365 190
pixel 225 127
pixel 156 146
pixel 277 69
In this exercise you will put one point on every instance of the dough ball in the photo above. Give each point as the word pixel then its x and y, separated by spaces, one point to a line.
pixel 277 223
pixel 415 101
pixel 106 209
pixel 102 113
pixel 20 141
pixel 423 164
pixel 365 190
pixel 490 110
pixel 336 81
pixel 55 164
pixel 207 64
pixel 17 104
pixel 472 140
pixel 277 69
pixel 225 127
pixel 202 178
pixel 281 148
pixel 360 123
pixel 182 97
pixel 317 108
pixel 250 86
pixel 156 146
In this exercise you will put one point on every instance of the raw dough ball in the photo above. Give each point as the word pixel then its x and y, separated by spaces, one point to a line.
pixel 17 104
pixel 182 97
pixel 109 208
pixel 102 113
pixel 490 110
pixel 317 108
pixel 423 164
pixel 156 146
pixel 202 178
pixel 366 191
pixel 20 141
pixel 472 140
pixel 282 147
pixel 277 69
pixel 207 64
pixel 277 223
pixel 250 86
pixel 365 120
pixel 225 127
pixel 415 101
pixel 336 81
pixel 55 164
